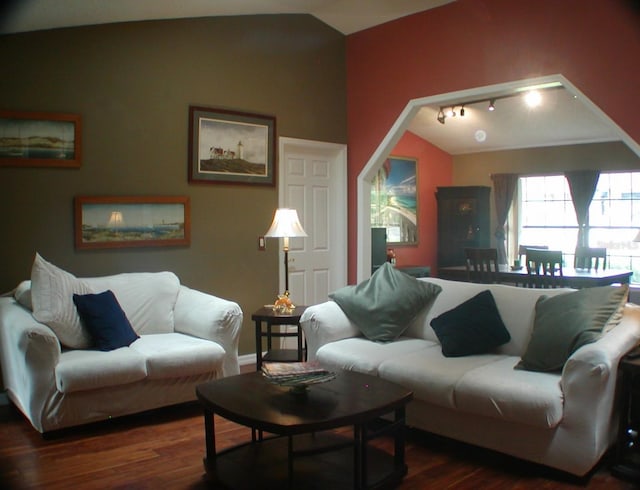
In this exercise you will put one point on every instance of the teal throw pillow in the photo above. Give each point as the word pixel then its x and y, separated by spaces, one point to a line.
pixel 472 327
pixel 566 322
pixel 105 320
pixel 383 306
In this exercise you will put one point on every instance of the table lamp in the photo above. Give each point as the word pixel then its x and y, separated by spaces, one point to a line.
pixel 286 225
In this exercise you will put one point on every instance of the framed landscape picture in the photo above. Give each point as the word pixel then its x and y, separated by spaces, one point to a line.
pixel 394 201
pixel 131 221
pixel 228 147
pixel 40 139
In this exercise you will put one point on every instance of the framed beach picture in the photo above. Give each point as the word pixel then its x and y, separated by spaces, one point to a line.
pixel 131 221
pixel 40 139
pixel 394 201
pixel 228 147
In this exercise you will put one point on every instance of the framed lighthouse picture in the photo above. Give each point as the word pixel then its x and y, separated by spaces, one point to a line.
pixel 229 147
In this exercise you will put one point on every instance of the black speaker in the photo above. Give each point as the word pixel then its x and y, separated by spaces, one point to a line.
pixel 378 247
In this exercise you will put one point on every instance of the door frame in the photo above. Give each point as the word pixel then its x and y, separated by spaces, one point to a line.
pixel 337 154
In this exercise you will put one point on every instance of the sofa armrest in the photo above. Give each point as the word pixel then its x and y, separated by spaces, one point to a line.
pixel 589 377
pixel 29 352
pixel 324 323
pixel 210 317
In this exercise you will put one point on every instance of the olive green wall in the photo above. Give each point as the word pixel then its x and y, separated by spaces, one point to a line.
pixel 476 168
pixel 133 84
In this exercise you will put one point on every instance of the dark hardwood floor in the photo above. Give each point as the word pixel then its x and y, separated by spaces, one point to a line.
pixel 164 449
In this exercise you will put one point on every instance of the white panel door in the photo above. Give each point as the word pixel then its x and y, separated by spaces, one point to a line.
pixel 313 181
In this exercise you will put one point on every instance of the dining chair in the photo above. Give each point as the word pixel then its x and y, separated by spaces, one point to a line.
pixel 590 258
pixel 482 265
pixel 544 268
pixel 522 251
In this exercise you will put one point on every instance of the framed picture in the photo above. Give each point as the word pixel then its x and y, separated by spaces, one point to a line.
pixel 40 139
pixel 394 200
pixel 131 221
pixel 227 147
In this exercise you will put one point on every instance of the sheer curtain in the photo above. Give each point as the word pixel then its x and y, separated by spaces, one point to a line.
pixel 582 184
pixel 504 186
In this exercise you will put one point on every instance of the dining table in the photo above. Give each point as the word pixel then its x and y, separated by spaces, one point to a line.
pixel 572 277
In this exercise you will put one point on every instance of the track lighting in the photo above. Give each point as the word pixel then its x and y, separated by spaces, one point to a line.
pixel 532 99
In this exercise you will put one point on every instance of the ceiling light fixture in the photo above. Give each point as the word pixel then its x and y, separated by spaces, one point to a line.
pixel 533 98
pixel 450 109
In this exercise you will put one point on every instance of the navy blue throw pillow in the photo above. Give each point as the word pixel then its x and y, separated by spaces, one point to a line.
pixel 103 317
pixel 472 327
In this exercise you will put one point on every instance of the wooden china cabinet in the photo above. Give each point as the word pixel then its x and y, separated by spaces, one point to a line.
pixel 463 221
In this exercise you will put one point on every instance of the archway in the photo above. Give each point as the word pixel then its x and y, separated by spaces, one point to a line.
pixel 404 119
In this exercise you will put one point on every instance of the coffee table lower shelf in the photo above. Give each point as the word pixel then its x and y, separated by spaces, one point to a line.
pixel 322 460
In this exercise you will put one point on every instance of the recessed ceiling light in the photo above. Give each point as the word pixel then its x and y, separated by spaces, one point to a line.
pixel 533 98
pixel 480 136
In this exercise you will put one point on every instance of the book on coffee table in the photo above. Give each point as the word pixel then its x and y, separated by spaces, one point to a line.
pixel 296 373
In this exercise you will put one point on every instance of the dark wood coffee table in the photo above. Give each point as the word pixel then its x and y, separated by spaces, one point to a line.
pixel 301 450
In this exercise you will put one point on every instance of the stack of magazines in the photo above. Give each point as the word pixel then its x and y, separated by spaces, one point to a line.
pixel 295 373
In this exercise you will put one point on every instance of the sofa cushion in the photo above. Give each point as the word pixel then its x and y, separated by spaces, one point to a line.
pixel 565 323
pixel 362 355
pixel 516 307
pixel 175 355
pixel 383 306
pixel 102 316
pixel 147 298
pixel 499 391
pixel 52 291
pixel 430 375
pixel 472 327
pixel 82 370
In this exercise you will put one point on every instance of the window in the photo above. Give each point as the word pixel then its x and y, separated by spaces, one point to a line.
pixel 546 216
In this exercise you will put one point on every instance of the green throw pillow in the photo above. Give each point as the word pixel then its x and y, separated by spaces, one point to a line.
pixel 472 327
pixel 383 306
pixel 566 322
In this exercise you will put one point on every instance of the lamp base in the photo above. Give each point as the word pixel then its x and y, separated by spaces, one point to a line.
pixel 283 304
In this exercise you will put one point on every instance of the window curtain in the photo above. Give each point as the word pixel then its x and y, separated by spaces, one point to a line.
pixel 582 184
pixel 504 186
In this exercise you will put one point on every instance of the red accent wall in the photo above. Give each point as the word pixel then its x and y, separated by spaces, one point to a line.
pixel 434 170
pixel 474 43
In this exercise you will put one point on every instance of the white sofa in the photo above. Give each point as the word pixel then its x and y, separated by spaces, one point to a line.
pixel 186 337
pixel 563 420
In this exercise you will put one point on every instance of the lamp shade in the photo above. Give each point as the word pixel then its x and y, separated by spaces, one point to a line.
pixel 115 219
pixel 285 224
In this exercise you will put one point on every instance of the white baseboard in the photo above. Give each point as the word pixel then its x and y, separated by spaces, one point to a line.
pixel 246 359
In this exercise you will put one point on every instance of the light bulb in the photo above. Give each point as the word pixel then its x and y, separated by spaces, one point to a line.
pixel 533 98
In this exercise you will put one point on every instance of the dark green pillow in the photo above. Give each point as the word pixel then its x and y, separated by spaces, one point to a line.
pixel 383 306
pixel 566 322
pixel 472 327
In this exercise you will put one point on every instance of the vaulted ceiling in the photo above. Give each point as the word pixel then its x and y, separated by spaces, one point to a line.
pixel 563 118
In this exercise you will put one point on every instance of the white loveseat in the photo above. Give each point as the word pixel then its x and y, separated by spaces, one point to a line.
pixel 186 337
pixel 565 420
